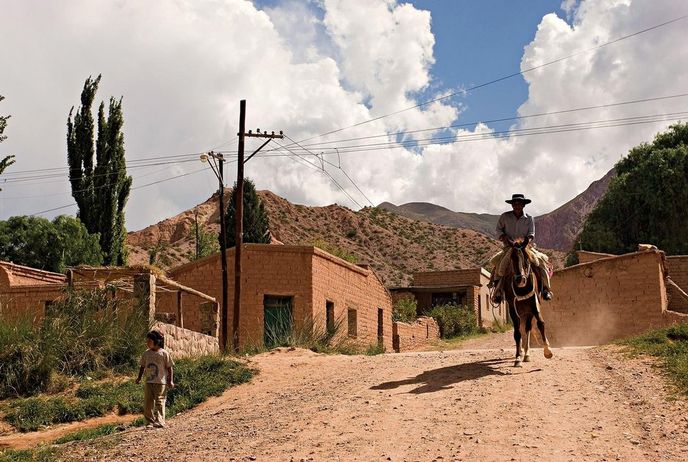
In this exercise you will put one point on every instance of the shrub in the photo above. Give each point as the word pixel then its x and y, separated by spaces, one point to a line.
pixel 24 367
pixel 455 320
pixel 405 310
pixel 336 251
pixel 85 331
pixel 196 380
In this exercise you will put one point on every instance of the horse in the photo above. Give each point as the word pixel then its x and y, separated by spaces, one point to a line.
pixel 521 292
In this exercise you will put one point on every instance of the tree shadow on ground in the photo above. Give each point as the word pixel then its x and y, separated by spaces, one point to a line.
pixel 444 377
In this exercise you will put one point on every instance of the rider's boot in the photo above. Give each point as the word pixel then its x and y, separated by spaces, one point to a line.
pixel 497 294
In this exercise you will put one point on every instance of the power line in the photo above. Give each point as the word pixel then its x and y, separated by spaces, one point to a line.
pixel 133 189
pixel 322 169
pixel 548 129
pixel 503 119
pixel 340 168
pixel 500 79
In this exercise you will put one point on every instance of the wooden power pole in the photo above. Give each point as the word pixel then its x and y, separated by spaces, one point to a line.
pixel 239 206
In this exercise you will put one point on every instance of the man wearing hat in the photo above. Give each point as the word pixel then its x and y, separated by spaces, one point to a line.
pixel 514 226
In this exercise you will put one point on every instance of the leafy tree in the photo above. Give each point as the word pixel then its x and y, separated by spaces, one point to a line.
pixel 207 242
pixel 7 160
pixel 52 246
pixel 646 201
pixel 100 191
pixel 256 225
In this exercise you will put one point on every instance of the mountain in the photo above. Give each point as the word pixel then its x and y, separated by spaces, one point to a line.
pixel 425 211
pixel 555 230
pixel 393 245
pixel 559 229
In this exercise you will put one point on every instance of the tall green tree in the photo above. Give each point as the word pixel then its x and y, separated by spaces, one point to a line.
pixel 646 201
pixel 101 190
pixel 7 160
pixel 49 245
pixel 256 224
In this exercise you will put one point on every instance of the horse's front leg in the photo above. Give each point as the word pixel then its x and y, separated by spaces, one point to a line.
pixel 516 321
pixel 541 327
pixel 526 338
pixel 521 340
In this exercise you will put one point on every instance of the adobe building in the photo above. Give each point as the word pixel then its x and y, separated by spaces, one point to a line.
pixel 26 292
pixel 292 288
pixel 607 297
pixel 461 287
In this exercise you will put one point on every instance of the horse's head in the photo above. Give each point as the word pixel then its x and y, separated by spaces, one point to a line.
pixel 521 264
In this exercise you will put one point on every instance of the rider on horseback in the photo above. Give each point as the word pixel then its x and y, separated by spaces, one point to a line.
pixel 514 227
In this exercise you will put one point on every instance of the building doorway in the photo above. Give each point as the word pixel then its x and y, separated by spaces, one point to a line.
pixel 279 320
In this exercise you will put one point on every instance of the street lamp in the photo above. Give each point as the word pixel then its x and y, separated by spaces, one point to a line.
pixel 216 162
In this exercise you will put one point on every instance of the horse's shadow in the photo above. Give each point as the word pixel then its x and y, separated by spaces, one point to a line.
pixel 444 377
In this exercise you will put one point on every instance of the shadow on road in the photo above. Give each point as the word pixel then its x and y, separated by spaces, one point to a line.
pixel 444 377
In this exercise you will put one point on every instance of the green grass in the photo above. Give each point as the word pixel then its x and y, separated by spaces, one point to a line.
pixel 670 345
pixel 196 380
pixel 90 433
pixel 41 454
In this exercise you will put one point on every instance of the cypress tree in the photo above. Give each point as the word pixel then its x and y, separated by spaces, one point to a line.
pixel 7 160
pixel 101 190
pixel 256 224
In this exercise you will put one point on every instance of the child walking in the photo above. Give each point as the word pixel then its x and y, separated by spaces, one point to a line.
pixel 157 363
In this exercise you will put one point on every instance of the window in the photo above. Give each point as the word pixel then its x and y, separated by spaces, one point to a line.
pixel 352 322
pixel 380 326
pixel 329 317
pixel 446 298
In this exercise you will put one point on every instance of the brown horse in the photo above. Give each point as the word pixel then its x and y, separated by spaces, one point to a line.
pixel 521 291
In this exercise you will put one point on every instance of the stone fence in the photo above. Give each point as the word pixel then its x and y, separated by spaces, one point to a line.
pixel 412 336
pixel 183 343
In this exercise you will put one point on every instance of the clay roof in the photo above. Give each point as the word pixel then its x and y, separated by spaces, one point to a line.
pixel 18 275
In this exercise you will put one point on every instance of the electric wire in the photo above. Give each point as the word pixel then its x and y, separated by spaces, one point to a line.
pixel 340 169
pixel 500 79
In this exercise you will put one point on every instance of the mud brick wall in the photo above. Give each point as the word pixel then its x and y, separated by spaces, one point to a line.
pixel 308 275
pixel 412 336
pixel 183 343
pixel 465 277
pixel 586 257
pixel 266 270
pixel 677 267
pixel 28 301
pixel 351 287
pixel 607 299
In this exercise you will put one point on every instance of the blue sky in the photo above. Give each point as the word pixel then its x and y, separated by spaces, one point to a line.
pixel 310 66
pixel 477 41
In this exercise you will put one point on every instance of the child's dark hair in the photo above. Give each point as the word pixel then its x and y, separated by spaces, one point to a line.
pixel 157 338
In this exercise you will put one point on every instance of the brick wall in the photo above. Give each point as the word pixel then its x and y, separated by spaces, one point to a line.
pixel 586 257
pixel 182 343
pixel 304 273
pixel 607 299
pixel 27 300
pixel 412 336
pixel 351 287
pixel 462 277
pixel 677 267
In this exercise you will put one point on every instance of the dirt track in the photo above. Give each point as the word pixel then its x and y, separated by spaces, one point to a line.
pixel 585 404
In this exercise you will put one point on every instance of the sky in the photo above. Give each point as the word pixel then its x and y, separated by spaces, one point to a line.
pixel 347 80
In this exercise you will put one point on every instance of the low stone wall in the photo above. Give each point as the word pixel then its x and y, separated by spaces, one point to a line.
pixel 409 337
pixel 677 267
pixel 182 343
pixel 607 299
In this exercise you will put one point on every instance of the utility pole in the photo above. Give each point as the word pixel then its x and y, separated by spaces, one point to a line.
pixel 218 160
pixel 239 206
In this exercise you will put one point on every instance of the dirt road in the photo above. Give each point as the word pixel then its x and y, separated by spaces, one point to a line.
pixel 585 404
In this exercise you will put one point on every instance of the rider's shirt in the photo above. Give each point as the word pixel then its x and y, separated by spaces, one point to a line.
pixel 516 228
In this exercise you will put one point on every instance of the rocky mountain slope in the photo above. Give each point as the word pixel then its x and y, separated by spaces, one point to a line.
pixel 555 230
pixel 393 245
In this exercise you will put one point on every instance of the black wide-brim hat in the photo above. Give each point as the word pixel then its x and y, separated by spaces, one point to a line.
pixel 518 198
